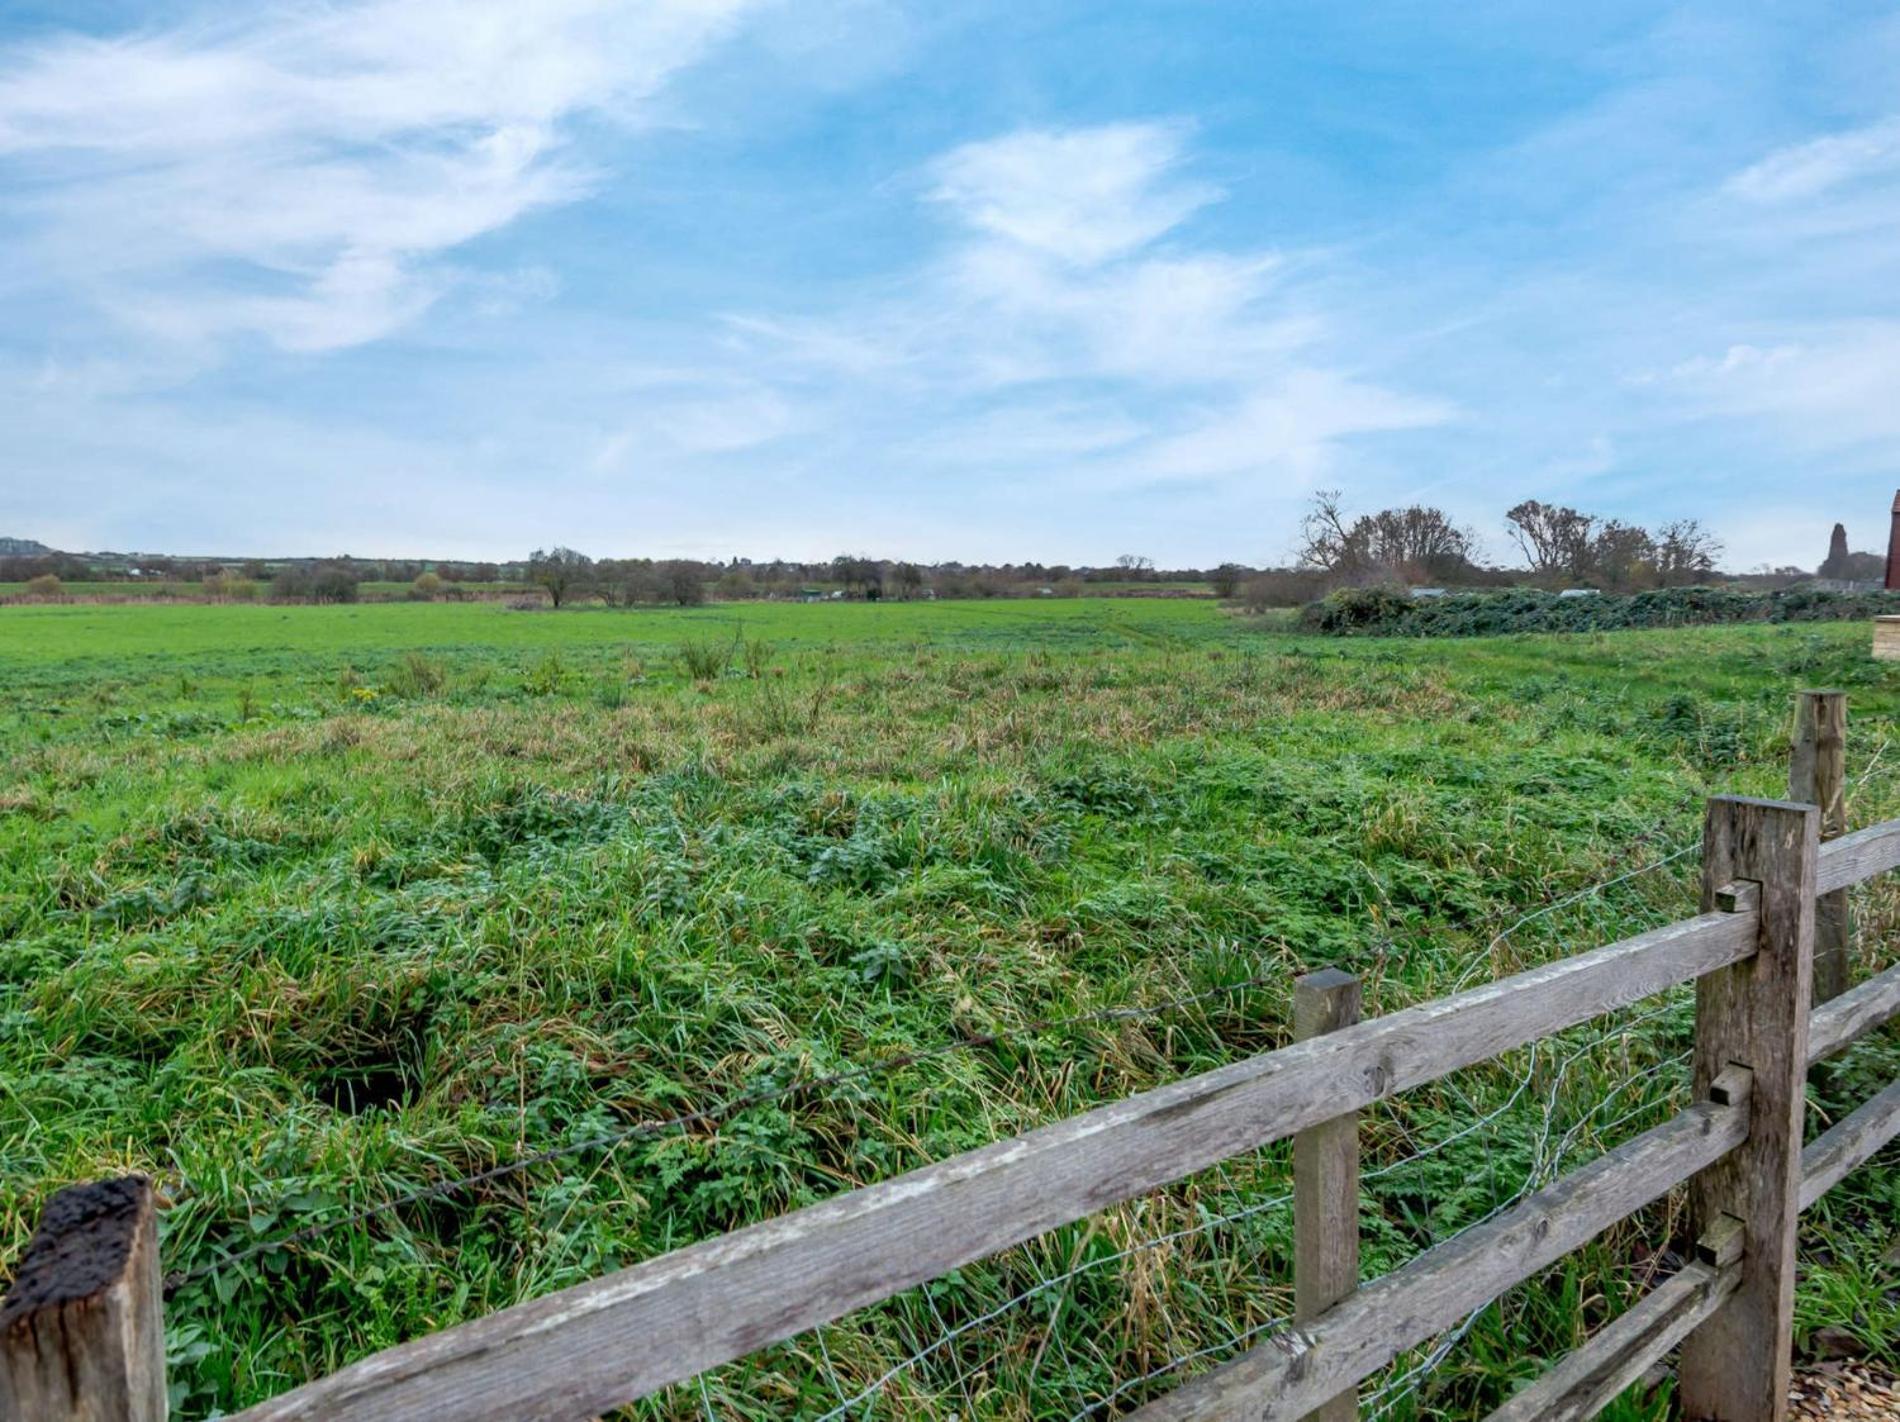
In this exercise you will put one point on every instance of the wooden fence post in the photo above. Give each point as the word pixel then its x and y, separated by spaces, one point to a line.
pixel 1735 1366
pixel 1817 775
pixel 1326 1180
pixel 81 1330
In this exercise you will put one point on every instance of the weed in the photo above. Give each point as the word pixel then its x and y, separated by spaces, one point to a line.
pixel 704 660
pixel 548 677
pixel 757 654
pixel 416 675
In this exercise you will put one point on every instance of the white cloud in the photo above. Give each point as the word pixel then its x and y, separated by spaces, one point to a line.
pixel 1288 430
pixel 1083 195
pixel 298 173
pixel 1833 388
pixel 1059 337
pixel 1806 170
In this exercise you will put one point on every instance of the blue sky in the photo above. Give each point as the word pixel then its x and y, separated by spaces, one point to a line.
pixel 984 280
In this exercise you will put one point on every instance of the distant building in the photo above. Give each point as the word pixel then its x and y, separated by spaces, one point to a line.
pixel 1893 546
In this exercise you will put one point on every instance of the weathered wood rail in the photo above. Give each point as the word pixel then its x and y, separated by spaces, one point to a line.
pixel 1738 1146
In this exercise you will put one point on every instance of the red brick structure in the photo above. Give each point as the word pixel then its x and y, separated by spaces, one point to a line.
pixel 1893 547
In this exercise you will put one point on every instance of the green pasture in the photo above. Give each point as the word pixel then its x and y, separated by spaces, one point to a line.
pixel 304 909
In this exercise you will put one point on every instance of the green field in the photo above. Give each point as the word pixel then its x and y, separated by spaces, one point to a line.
pixel 303 909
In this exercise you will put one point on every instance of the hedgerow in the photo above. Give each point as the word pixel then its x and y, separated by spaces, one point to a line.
pixel 1388 612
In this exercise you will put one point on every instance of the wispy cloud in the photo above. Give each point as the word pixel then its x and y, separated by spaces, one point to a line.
pixel 841 292
pixel 299 173
pixel 1083 195
pixel 1072 283
pixel 1830 390
pixel 1806 170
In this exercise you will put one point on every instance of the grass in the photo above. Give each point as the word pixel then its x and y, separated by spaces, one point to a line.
pixel 301 908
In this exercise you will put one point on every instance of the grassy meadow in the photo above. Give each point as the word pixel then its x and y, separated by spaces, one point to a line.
pixel 303 909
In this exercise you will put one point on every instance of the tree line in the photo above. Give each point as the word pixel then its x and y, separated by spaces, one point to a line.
pixel 1413 545
pixel 1559 545
pixel 567 576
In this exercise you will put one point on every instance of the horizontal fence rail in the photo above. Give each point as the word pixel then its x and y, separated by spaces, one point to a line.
pixel 1861 855
pixel 1853 1014
pixel 1587 1381
pixel 587 1349
pixel 635 1331
pixel 1848 1144
pixel 1298 1369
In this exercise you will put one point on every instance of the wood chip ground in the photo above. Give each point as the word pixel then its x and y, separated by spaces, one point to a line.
pixel 1848 1391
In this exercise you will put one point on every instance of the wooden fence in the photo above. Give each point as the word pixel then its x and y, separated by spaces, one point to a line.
pixel 81 1334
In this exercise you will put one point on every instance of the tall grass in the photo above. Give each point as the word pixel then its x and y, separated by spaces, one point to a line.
pixel 343 946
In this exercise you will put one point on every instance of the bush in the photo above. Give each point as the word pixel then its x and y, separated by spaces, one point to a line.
pixel 45 587
pixel 325 582
pixel 426 588
pixel 229 587
pixel 683 582
pixel 1358 610
pixel 1382 612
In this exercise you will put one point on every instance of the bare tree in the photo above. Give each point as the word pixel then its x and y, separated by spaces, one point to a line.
pixel 1685 553
pixel 562 572
pixel 1415 541
pixel 1326 539
pixel 1553 538
pixel 858 572
pixel 1412 543
pixel 1135 565
pixel 683 582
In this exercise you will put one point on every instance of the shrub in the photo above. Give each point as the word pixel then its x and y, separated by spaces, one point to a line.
pixel 427 587
pixel 325 582
pixel 1357 610
pixel 228 587
pixel 684 584
pixel 45 587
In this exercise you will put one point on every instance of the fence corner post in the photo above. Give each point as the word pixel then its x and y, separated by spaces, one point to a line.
pixel 1735 1366
pixel 81 1328
pixel 1326 1179
pixel 1817 775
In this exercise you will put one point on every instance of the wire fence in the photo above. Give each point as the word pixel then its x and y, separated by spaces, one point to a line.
pixel 1553 1059
pixel 1533 1100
